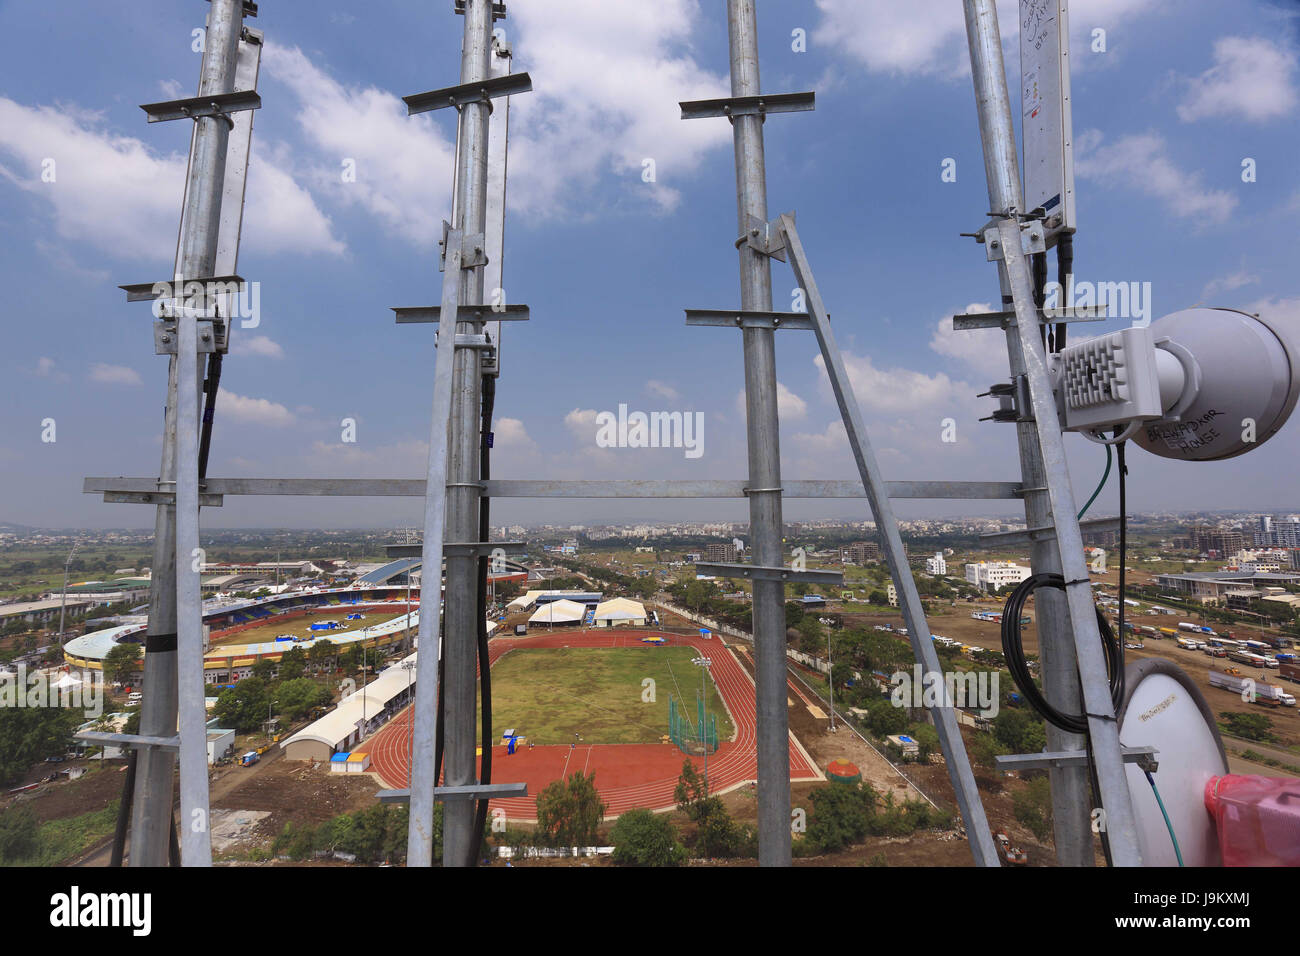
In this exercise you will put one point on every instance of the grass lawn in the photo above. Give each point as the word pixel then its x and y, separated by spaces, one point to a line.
pixel 551 694
pixel 302 625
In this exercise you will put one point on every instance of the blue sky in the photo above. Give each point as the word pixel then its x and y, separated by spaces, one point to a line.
pixel 1164 117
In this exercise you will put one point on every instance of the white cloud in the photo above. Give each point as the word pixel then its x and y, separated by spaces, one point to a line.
pixel 1251 79
pixel 1228 283
pixel 663 390
pixel 403 165
pixel 256 345
pixel 893 390
pixel 512 435
pixel 614 73
pixel 929 36
pixel 1141 162
pixel 582 423
pixel 44 367
pixel 106 374
pixel 983 350
pixel 124 197
pixel 789 406
pixel 252 411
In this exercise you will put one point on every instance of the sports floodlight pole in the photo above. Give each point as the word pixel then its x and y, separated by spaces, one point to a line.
pixel 460 646
pixel 762 430
pixel 176 523
pixel 1068 659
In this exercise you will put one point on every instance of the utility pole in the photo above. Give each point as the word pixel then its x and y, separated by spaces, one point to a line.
pixel 176 521
pixel 469 215
pixel 763 437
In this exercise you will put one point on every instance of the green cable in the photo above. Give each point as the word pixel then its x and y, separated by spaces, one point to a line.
pixel 1104 475
pixel 1169 826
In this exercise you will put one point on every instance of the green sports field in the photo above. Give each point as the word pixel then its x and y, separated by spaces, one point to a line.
pixel 550 694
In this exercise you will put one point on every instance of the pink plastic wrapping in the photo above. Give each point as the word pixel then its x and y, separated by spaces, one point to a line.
pixel 1257 818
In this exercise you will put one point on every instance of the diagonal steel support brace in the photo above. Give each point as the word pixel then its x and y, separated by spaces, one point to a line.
pixel 918 632
pixel 425 731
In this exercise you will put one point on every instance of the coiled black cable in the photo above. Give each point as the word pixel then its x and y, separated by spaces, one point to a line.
pixel 1013 649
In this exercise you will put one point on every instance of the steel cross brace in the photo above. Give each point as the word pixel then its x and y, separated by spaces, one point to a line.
pixel 136 489
pixel 918 632
pixel 760 573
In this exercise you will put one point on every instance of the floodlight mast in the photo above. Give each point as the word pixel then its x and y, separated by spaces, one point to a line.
pixel 1074 674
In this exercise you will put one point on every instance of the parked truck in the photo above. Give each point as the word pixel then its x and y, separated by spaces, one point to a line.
pixel 1185 626
pixel 1269 695
pixel 1290 670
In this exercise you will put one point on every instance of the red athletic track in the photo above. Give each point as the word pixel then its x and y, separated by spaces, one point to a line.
pixel 627 775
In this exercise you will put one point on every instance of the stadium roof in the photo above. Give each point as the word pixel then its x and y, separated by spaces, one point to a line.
pixel 390 570
pixel 340 723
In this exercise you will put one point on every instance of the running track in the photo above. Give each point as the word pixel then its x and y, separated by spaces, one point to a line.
pixel 627 775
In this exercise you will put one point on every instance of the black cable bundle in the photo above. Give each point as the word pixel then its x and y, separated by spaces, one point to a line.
pixel 1013 649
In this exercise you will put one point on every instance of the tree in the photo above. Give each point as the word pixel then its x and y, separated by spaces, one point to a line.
pixel 30 734
pixel 295 698
pixel 1033 807
pixel 1249 726
pixel 642 838
pixel 1020 730
pixel 321 653
pixel 841 815
pixel 245 705
pixel 121 661
pixel 18 834
pixel 263 669
pixel 568 812
pixel 293 664
pixel 878 597
pixel 927 740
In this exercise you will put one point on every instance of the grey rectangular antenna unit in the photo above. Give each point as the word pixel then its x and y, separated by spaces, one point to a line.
pixel 1046 122
pixel 498 143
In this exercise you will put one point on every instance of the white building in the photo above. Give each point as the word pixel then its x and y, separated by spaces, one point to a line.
pixel 991 575
pixel 936 565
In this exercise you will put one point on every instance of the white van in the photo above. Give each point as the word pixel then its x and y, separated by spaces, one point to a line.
pixel 134 697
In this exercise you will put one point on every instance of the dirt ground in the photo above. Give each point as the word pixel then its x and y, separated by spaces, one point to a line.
pixel 290 791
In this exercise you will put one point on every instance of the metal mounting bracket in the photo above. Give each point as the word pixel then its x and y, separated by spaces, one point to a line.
pixel 165 335
pixel 730 106
pixel 758 572
pixel 735 318
pixel 498 10
pixel 183 289
pixel 1026 535
pixel 1144 757
pixel 132 741
pixel 484 91
pixel 765 237
pixel 195 107
pixel 157 498
pixel 1032 240
pixel 473 249
pixel 465 313
pixel 477 791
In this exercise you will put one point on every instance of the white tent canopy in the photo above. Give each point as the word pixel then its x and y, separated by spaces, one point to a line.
pixel 558 612
pixel 620 610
